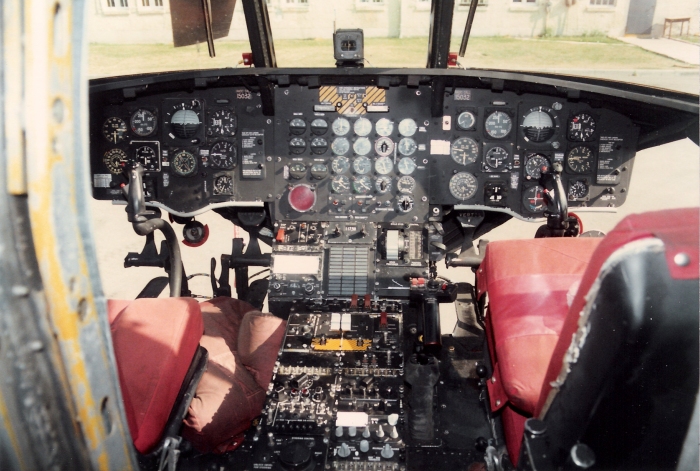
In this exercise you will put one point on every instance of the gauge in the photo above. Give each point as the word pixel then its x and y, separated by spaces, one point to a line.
pixel 465 151
pixel 384 146
pixel 498 124
pixel 114 160
pixel 404 203
pixel 340 164
pixel 536 165
pixel 297 126
pixel 297 170
pixel 406 184
pixel 533 199
pixel 383 165
pixel 319 126
pixel 406 166
pixel 407 127
pixel 114 130
pixel 185 120
pixel 341 126
pixel 496 158
pixel 581 127
pixel 362 165
pixel 466 120
pixel 143 123
pixel 223 154
pixel 297 145
pixel 578 189
pixel 383 184
pixel 384 127
pixel 319 145
pixel 362 127
pixel 463 185
pixel 362 184
pixel 149 158
pixel 538 125
pixel 319 171
pixel 580 159
pixel 223 185
pixel 184 163
pixel 362 146
pixel 340 146
pixel 340 184
pixel 222 123
pixel 407 146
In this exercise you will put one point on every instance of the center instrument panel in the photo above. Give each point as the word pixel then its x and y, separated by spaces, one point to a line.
pixel 357 152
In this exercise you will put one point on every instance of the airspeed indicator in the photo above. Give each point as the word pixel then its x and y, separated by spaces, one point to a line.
pixel 463 185
pixel 465 151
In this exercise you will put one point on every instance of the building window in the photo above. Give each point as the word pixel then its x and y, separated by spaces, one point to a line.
pixel 151 3
pixel 526 1
pixel 372 1
pixel 467 3
pixel 297 2
pixel 118 3
pixel 603 3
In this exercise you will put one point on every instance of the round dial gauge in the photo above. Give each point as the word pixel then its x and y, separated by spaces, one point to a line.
pixel 185 120
pixel 581 127
pixel 578 189
pixel 384 127
pixel 222 123
pixel 340 184
pixel 340 164
pixel 114 130
pixel 223 185
pixel 463 185
pixel 362 146
pixel 407 146
pixel 538 125
pixel 362 184
pixel 297 170
pixel 404 203
pixel 384 146
pixel 143 123
pixel 383 184
pixel 580 159
pixel 362 165
pixel 341 126
pixel 319 145
pixel 536 165
pixel 148 158
pixel 223 155
pixel 406 166
pixel 406 185
pixel 383 165
pixel 297 126
pixel 114 160
pixel 496 158
pixel 498 124
pixel 362 127
pixel 466 120
pixel 407 127
pixel 319 171
pixel 319 126
pixel 297 145
pixel 465 151
pixel 533 199
pixel 340 146
pixel 184 163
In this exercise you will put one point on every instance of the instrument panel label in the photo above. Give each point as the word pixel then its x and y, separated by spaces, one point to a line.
pixel 352 100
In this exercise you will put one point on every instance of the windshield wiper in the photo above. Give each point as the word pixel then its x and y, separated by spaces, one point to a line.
pixel 468 27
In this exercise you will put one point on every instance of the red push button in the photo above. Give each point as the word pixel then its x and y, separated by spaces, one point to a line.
pixel 302 198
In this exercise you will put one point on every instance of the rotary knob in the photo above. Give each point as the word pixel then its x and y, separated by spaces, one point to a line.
pixel 301 198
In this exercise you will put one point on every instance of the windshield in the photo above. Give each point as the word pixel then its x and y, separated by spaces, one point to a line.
pixel 648 42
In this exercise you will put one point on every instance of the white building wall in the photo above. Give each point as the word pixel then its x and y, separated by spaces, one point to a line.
pixel 676 9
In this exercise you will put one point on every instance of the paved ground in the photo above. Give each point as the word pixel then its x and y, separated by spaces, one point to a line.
pixel 683 80
pixel 679 50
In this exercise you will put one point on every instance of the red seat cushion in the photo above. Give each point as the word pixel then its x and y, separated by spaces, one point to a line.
pixel 154 343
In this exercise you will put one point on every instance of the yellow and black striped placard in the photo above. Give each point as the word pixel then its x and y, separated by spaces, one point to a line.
pixel 351 100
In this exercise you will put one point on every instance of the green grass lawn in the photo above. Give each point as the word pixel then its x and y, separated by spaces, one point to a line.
pixel 529 54
pixel 690 39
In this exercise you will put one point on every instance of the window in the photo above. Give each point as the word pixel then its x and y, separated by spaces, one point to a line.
pixel 151 3
pixel 603 3
pixel 372 1
pixel 297 2
pixel 119 3
pixel 466 3
pixel 526 1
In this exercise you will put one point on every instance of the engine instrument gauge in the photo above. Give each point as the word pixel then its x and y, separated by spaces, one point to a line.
pixel 340 146
pixel 536 165
pixel 297 126
pixel 222 123
pixel 496 158
pixel 466 120
pixel 404 203
pixel 223 154
pixel 340 165
pixel 362 127
pixel 362 146
pixel 383 184
pixel 223 185
pixel 463 185
pixel 297 145
pixel 580 159
pixel 407 146
pixel 407 127
pixel 538 125
pixel 406 166
pixel 341 126
pixel 384 127
pixel 533 199
pixel 143 122
pixel 384 146
pixel 319 145
pixel 578 189
pixel 464 151
pixel 581 127
pixel 184 163
pixel 319 171
pixel 149 158
pixel 406 185
pixel 114 130
pixel 340 184
pixel 319 126
pixel 362 165
pixel 114 160
pixel 498 124
pixel 362 184
pixel 297 170
pixel 383 165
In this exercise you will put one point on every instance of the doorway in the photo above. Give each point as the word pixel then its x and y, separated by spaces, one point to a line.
pixel 640 16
